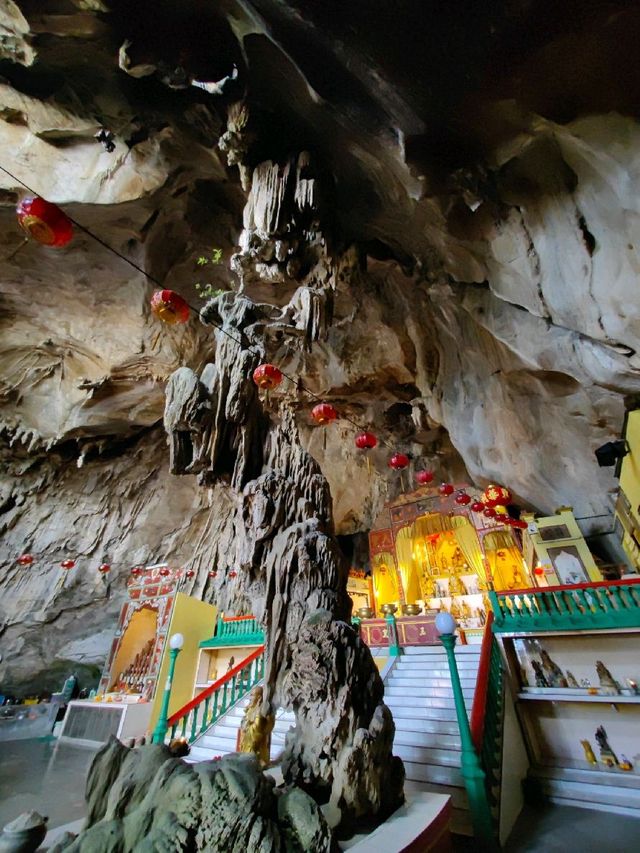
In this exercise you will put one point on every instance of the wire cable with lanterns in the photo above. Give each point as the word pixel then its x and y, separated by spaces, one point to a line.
pixel 57 233
pixel 51 226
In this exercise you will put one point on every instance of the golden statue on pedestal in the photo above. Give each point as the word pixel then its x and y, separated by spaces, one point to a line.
pixel 256 728
pixel 456 587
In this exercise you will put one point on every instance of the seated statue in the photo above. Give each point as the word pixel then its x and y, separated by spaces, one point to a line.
pixel 256 728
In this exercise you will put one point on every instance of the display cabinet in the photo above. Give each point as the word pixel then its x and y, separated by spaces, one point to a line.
pixel 579 698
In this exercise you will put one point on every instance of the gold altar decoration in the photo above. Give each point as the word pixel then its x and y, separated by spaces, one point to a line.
pixel 385 579
pixel 505 561
pixel 256 728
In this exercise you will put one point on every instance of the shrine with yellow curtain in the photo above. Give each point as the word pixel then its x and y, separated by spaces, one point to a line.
pixel 427 550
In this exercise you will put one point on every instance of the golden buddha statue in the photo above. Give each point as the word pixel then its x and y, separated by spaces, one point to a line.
pixel 454 610
pixel 256 728
pixel 456 587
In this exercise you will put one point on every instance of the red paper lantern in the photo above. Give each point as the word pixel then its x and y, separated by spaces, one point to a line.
pixel 267 376
pixel 213 573
pixel 398 461
pixel 169 307
pixel 164 572
pixel 489 512
pixel 44 221
pixel 519 524
pixel 189 573
pixel 424 477
pixel 136 571
pixel 323 413
pixel 477 506
pixel 445 489
pixel 25 559
pixel 463 499
pixel 233 574
pixel 496 496
pixel 68 564
pixel 538 570
pixel 104 569
pixel 366 441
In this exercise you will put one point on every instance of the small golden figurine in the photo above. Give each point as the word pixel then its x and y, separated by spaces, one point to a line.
pixel 456 586
pixel 588 752
pixel 624 763
pixel 256 728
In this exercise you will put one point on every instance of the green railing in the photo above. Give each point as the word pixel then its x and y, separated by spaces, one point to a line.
pixel 194 718
pixel 604 605
pixel 491 741
pixel 235 631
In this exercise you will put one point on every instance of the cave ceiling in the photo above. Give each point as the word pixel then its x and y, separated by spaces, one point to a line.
pixel 475 163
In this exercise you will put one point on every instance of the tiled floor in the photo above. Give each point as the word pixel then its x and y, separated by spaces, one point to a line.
pixel 50 778
pixel 45 776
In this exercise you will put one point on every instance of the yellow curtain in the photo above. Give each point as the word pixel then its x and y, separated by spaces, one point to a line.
pixel 385 579
pixel 508 569
pixel 408 563
pixel 470 546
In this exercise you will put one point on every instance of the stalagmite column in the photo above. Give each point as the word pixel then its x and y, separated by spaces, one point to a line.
pixel 291 569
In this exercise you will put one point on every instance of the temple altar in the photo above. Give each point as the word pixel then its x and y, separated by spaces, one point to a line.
pixel 429 551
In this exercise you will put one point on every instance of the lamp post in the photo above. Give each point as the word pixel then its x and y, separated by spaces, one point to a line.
pixel 472 772
pixel 176 643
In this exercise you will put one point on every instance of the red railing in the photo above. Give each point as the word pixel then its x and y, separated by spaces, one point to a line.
pixel 479 709
pixel 212 688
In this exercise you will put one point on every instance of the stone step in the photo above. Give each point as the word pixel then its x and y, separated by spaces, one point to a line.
pixel 220 745
pixel 429 651
pixel 411 691
pixel 420 704
pixel 426 739
pixel 413 713
pixel 420 665
pixel 434 774
pixel 432 725
pixel 431 678
pixel 428 755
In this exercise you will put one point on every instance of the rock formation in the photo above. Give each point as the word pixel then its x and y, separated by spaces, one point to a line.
pixel 292 573
pixel 145 800
pixel 438 208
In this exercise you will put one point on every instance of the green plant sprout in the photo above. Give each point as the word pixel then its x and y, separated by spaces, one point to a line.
pixel 208 291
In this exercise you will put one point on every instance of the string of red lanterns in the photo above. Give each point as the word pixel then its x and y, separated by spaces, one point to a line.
pixel 49 225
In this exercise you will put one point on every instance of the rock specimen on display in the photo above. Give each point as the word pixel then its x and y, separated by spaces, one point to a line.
pixel 143 800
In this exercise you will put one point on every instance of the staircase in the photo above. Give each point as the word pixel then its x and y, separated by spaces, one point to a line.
pixel 418 692
pixel 222 737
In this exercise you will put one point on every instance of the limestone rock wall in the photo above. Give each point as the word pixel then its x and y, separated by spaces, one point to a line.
pixel 449 255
